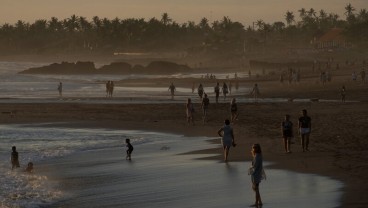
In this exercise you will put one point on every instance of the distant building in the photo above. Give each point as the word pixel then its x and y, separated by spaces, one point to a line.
pixel 333 38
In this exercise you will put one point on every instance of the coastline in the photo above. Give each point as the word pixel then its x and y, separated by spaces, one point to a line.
pixel 338 139
pixel 256 125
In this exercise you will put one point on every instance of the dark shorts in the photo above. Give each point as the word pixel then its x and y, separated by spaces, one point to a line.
pixel 286 134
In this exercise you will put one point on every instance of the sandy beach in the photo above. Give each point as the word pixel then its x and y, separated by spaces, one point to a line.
pixel 338 139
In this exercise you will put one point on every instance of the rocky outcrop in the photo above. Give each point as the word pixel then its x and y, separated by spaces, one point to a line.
pixel 116 68
pixel 156 67
pixel 63 68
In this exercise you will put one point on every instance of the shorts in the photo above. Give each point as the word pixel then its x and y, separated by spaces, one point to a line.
pixel 304 130
pixel 287 134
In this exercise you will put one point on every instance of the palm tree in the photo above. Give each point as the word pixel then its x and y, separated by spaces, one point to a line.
pixel 289 17
pixel 204 26
pixel 349 9
pixel 71 23
pixel 311 13
pixel 54 25
pixel 363 15
pixel 322 14
pixel 302 13
pixel 165 19
pixel 260 24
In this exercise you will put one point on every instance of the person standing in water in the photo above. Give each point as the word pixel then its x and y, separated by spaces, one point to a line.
pixel 227 138
pixel 14 158
pixel 129 150
pixel 60 89
pixel 305 128
pixel 257 173
pixel 172 90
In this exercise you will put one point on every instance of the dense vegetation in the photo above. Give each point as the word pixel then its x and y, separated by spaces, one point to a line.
pixel 79 35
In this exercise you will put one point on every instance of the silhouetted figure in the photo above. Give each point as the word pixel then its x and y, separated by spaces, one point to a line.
pixel 217 91
pixel 60 89
pixel 172 90
pixel 14 158
pixel 129 150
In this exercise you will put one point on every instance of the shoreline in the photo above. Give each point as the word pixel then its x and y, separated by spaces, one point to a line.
pixel 326 158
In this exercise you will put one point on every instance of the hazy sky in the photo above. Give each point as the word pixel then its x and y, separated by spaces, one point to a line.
pixel 244 11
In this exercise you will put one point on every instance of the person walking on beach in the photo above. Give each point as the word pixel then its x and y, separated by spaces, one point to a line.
pixel 255 92
pixel 287 132
pixel 108 88
pixel 225 90
pixel 257 173
pixel 193 87
pixel 234 110
pixel 14 158
pixel 190 111
pixel 305 128
pixel 129 150
pixel 111 88
pixel 205 104
pixel 200 91
pixel 343 93
pixel 172 90
pixel 227 138
pixel 217 91
pixel 60 89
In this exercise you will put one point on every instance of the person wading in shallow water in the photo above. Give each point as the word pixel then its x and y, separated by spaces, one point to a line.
pixel 14 158
pixel 227 138
pixel 257 173
pixel 172 90
pixel 60 89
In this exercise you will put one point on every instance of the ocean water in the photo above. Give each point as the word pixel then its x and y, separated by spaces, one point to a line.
pixel 77 167
pixel 91 88
pixel 21 86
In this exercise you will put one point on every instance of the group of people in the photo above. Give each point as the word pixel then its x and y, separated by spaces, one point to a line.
pixel 256 170
pixel 304 130
pixel 15 161
pixel 109 88
pixel 204 106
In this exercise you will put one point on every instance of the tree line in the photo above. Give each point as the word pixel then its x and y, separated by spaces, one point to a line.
pixel 77 34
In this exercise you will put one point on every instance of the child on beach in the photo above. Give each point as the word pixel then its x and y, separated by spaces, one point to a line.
pixel 129 149
pixel 14 158
pixel 29 168
pixel 287 132
pixel 234 110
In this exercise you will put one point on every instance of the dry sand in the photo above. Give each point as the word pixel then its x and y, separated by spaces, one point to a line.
pixel 338 139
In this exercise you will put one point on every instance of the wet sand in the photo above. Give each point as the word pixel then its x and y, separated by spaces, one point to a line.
pixel 338 139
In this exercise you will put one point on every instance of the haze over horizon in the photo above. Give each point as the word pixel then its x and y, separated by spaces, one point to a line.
pixel 244 11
